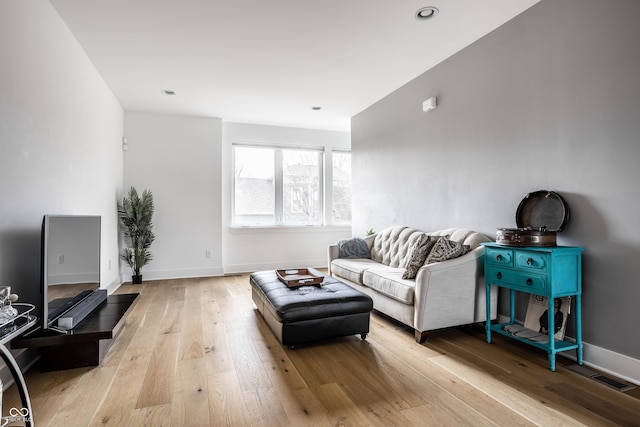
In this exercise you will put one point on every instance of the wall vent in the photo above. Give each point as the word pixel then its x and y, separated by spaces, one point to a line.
pixel 597 376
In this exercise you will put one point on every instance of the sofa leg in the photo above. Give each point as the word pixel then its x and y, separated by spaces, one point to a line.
pixel 421 336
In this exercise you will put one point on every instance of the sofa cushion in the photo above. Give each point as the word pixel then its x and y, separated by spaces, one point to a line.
pixel 445 249
pixel 419 254
pixel 388 281
pixel 392 246
pixel 462 235
pixel 351 268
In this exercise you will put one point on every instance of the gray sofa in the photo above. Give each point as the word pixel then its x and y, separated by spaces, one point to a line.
pixel 443 294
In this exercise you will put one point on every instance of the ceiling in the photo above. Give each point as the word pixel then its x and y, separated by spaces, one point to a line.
pixel 270 62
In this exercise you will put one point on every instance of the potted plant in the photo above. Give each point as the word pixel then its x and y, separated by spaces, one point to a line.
pixel 135 216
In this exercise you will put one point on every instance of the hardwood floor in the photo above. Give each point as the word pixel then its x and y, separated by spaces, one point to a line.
pixel 195 352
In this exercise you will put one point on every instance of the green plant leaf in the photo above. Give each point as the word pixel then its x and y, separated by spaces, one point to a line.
pixel 135 215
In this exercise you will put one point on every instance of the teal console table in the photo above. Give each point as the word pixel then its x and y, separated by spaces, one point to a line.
pixel 552 272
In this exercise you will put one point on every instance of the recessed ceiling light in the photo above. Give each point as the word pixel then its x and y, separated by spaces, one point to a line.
pixel 427 12
pixel 168 92
pixel 316 108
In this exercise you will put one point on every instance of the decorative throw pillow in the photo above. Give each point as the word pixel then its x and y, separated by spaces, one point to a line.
pixel 445 249
pixel 353 248
pixel 419 254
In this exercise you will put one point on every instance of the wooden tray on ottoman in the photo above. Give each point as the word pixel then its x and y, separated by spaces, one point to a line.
pixel 295 277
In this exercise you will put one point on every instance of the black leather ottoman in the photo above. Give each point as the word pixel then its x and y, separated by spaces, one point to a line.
pixel 310 313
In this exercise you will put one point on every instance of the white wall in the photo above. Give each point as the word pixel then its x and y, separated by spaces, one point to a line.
pixel 179 159
pixel 251 249
pixel 186 163
pixel 60 131
pixel 550 100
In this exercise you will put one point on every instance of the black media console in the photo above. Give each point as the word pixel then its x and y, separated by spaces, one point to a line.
pixel 87 343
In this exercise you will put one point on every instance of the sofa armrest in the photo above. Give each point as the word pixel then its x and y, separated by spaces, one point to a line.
pixel 333 252
pixel 369 239
pixel 445 293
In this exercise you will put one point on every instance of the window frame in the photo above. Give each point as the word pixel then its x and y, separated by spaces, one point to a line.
pixel 329 212
pixel 325 183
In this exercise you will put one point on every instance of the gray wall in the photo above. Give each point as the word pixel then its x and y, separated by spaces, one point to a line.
pixel 550 100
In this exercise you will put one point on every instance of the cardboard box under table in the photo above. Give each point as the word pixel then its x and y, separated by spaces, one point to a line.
pixel 309 313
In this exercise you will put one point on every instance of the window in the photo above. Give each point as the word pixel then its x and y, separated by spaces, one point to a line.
pixel 302 185
pixel 341 211
pixel 254 201
pixel 285 186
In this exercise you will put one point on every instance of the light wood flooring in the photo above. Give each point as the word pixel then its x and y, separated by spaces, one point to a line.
pixel 195 352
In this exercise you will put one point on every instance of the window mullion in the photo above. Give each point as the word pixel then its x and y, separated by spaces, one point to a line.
pixel 279 187
pixel 321 186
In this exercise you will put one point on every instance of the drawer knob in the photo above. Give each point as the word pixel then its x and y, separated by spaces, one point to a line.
pixel 529 261
pixel 498 257
pixel 499 275
pixel 529 281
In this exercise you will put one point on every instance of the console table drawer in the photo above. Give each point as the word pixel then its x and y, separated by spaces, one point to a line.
pixel 532 261
pixel 518 281
pixel 502 257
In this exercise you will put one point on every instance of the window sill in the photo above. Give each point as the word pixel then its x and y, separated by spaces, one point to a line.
pixel 246 229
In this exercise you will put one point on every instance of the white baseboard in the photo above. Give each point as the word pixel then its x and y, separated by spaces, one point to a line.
pixel 115 284
pixel 217 271
pixel 175 274
pixel 619 365
pixel 610 362
pixel 246 268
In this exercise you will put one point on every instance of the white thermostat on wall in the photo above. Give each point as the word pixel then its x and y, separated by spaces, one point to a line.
pixel 429 104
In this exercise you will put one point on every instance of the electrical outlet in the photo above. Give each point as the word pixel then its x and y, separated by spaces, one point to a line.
pixel 207 253
pixel 109 264
pixel 60 259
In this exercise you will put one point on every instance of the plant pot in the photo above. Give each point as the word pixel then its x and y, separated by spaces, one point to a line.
pixel 136 279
